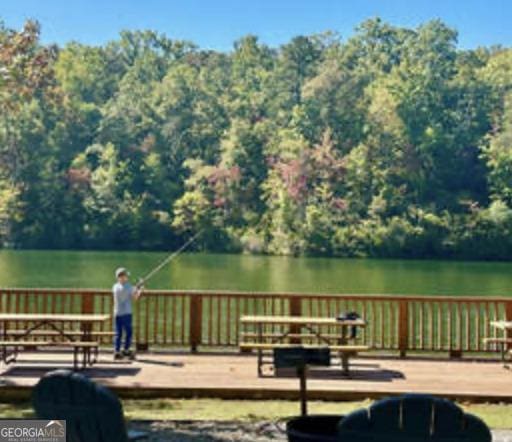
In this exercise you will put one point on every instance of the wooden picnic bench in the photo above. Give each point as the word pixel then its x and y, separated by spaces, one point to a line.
pixel 505 341
pixel 51 333
pixel 273 332
pixel 80 341
pixel 79 348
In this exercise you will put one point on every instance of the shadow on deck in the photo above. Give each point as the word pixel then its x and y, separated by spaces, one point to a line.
pixel 233 376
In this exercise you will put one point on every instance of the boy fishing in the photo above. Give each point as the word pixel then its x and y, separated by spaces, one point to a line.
pixel 124 294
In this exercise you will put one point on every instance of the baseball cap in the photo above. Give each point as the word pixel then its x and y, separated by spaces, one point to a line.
pixel 120 271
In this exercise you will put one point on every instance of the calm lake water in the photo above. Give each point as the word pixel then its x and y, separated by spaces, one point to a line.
pixel 257 273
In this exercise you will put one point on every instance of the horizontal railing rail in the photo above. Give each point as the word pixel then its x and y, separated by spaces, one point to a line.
pixel 194 319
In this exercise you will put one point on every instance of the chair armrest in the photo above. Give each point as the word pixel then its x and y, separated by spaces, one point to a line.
pixel 477 429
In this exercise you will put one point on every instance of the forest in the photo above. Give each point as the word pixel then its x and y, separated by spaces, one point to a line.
pixel 393 142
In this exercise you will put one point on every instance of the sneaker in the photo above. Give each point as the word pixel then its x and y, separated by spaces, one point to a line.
pixel 129 354
pixel 117 356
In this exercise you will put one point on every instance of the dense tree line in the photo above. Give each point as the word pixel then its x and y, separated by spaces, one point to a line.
pixel 393 142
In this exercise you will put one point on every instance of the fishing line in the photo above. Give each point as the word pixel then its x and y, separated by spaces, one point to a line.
pixel 167 260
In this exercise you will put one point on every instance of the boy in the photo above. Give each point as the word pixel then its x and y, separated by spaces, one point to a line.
pixel 124 293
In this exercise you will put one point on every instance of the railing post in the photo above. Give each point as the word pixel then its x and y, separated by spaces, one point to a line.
pixel 141 344
pixel 196 321
pixel 295 310
pixel 87 303
pixel 508 316
pixel 87 308
pixel 403 327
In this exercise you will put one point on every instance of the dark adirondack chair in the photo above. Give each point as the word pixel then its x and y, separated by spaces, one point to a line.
pixel 92 412
pixel 413 418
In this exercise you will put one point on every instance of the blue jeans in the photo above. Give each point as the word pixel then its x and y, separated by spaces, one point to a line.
pixel 123 325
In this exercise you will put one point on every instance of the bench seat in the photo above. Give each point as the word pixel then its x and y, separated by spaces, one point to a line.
pixel 24 343
pixel 85 346
pixel 252 335
pixel 337 348
pixel 20 332
pixel 344 351
pixel 501 343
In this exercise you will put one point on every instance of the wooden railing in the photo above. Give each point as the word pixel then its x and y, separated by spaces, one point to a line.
pixel 195 319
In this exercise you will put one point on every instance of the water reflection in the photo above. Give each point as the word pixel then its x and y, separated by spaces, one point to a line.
pixel 257 273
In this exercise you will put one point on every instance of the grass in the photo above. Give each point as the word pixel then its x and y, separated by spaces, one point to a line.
pixel 495 415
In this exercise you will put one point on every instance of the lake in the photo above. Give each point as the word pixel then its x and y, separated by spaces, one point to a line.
pixel 86 269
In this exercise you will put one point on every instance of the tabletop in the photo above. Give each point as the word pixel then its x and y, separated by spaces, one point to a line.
pixel 301 320
pixel 53 317
pixel 502 325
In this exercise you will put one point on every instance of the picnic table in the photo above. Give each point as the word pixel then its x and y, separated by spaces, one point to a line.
pixel 308 332
pixel 504 341
pixel 81 340
pixel 502 325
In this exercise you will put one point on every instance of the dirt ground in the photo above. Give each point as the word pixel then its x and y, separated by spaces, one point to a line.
pixel 208 431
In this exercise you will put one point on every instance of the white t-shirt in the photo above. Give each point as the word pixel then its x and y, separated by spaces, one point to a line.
pixel 123 294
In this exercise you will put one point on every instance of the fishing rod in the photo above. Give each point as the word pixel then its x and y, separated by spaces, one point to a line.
pixel 167 260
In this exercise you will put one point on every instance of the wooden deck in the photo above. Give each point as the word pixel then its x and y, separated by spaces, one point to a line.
pixel 234 376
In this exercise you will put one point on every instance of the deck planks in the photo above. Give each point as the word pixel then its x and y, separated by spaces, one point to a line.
pixel 234 376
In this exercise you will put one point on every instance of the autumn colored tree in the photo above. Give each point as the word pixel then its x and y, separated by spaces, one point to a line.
pixel 392 142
